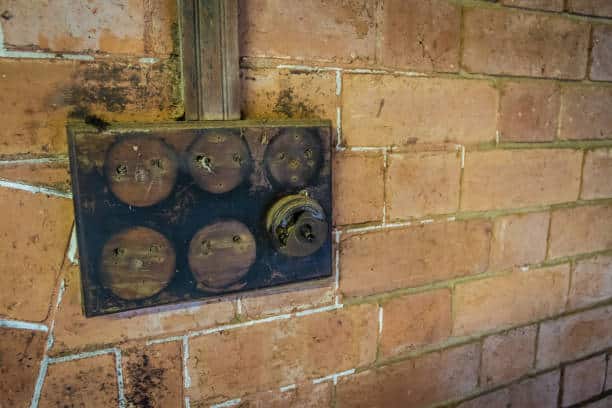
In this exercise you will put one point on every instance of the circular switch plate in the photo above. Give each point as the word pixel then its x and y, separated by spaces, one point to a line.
pixel 221 254
pixel 219 161
pixel 137 263
pixel 141 171
pixel 293 157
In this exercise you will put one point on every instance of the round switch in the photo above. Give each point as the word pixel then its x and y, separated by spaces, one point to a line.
pixel 297 225
pixel 221 254
pixel 137 263
pixel 293 157
pixel 141 171
pixel 219 161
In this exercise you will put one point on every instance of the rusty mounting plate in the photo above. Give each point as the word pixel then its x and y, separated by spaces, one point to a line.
pixel 176 212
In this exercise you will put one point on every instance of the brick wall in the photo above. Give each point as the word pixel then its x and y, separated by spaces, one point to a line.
pixel 473 207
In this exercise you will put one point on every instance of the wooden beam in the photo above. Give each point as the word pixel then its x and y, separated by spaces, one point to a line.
pixel 210 59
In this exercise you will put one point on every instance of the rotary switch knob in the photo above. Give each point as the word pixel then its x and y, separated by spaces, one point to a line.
pixel 297 225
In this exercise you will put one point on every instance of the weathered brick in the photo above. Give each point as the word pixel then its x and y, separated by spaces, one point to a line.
pixel 601 8
pixel 519 240
pixel 507 356
pixel 529 111
pixel 415 320
pixel 422 183
pixel 535 392
pixel 596 174
pixel 580 230
pixel 421 34
pixel 510 300
pixel 520 178
pixel 53 174
pixel 264 356
pixel 81 383
pixel 283 94
pixel 550 5
pixel 358 187
pixel 306 395
pixel 413 256
pixel 20 354
pixel 521 43
pixel 585 113
pixel 286 302
pixel 429 379
pixel 583 380
pixel 153 376
pixel 38 95
pixel 591 282
pixel 288 28
pixel 74 332
pixel 35 230
pixel 380 110
pixel 601 56
pixel 574 336
pixel 122 27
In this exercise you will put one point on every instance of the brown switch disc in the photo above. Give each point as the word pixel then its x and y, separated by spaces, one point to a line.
pixel 141 171
pixel 219 161
pixel 293 157
pixel 137 263
pixel 221 254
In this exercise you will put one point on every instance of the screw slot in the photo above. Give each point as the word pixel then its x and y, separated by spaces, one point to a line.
pixel 122 169
pixel 236 238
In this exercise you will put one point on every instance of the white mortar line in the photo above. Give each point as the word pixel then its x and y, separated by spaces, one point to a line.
pixel 120 383
pixel 39 160
pixel 148 60
pixel 239 306
pixel 343 374
pixel 427 221
pixel 238 325
pixel 497 137
pixel 333 377
pixel 187 402
pixel 288 388
pixel 1 40
pixel 319 310
pixel 17 324
pixel 307 68
pixel 164 340
pixel 380 319
pixel 338 83
pixel 33 189
pixel 73 247
pixel 42 373
pixel 80 356
pixel 367 149
pixel 339 146
pixel 229 403
pixel 186 377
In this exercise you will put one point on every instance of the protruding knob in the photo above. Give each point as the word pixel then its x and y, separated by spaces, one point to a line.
pixel 297 225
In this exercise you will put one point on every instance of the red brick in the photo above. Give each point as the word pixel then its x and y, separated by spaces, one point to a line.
pixel 380 110
pixel 358 188
pixel 79 383
pixel 123 27
pixel 283 94
pixel 153 376
pixel 306 395
pixel 422 183
pixel 591 282
pixel 529 111
pixel 228 364
pixel 535 392
pixel 574 336
pixel 20 354
pixel 583 380
pixel 35 230
pixel 507 356
pixel 415 320
pixel 601 8
pixel 550 5
pixel 580 230
pixel 519 240
pixel 509 300
pixel 286 302
pixel 585 113
pixel 74 332
pixel 597 174
pixel 601 56
pixel 525 44
pixel 38 95
pixel 421 34
pixel 54 174
pixel 429 379
pixel 312 30
pixel 520 178
pixel 415 256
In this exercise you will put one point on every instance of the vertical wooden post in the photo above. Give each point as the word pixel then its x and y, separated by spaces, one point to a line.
pixel 211 59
